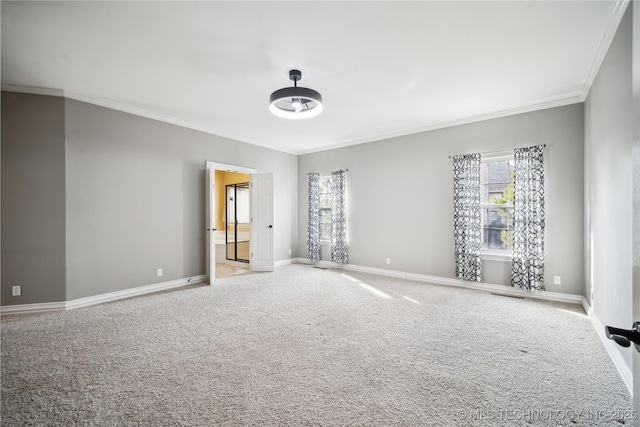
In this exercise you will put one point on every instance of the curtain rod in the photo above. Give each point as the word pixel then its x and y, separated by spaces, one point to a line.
pixel 498 152
pixel 326 173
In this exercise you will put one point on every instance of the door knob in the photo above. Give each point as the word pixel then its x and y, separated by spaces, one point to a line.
pixel 269 226
pixel 624 337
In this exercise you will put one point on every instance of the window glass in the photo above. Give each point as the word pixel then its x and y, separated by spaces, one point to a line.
pixel 326 201
pixel 497 191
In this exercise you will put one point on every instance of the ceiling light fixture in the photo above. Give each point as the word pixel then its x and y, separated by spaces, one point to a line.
pixel 295 102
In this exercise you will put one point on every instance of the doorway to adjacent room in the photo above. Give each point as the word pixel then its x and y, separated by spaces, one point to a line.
pixel 235 237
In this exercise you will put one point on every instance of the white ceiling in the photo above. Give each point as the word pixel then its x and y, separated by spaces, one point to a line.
pixel 383 68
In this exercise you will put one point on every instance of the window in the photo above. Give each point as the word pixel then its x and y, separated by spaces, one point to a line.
pixel 496 190
pixel 326 214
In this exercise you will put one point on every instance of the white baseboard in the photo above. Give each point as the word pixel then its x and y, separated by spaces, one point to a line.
pixel 102 298
pixel 285 262
pixel 610 346
pixel 586 306
pixel 33 308
pixel 614 352
pixel 113 296
pixel 480 286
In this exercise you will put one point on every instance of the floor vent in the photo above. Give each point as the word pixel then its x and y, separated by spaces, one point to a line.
pixel 508 296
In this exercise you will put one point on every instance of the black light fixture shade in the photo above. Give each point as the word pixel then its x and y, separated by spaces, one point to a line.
pixel 295 102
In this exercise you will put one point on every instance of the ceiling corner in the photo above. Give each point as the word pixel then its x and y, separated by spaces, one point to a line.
pixel 609 33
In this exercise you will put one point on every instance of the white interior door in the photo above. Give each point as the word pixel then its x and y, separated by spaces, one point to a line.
pixel 210 196
pixel 261 241
pixel 211 210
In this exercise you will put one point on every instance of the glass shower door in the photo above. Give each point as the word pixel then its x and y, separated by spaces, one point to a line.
pixel 237 222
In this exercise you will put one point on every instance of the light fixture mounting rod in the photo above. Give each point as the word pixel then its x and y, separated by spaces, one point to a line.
pixel 295 75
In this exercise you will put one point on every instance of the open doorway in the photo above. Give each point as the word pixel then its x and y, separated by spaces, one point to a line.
pixel 261 237
pixel 232 219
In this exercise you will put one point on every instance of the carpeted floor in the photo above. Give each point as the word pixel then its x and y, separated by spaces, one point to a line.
pixel 306 346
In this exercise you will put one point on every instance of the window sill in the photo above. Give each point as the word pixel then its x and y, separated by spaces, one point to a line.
pixel 496 256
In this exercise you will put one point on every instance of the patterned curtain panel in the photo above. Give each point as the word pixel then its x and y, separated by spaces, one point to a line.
pixel 339 221
pixel 313 225
pixel 466 216
pixel 527 269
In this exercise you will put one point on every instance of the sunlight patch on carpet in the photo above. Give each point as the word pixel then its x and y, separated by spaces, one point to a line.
pixel 374 290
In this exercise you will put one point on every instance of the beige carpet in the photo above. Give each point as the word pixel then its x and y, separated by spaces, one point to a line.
pixel 305 346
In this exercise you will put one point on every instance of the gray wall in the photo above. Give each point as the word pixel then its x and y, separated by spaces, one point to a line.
pixel 608 185
pixel 400 194
pixel 136 198
pixel 33 198
pixel 127 195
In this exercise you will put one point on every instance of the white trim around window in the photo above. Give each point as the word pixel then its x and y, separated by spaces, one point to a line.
pixel 497 156
pixel 502 256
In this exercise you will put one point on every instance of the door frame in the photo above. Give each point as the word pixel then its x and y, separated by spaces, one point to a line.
pixel 211 209
pixel 635 152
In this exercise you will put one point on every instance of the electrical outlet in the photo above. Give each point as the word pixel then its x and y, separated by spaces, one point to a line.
pixel 557 280
pixel 388 261
pixel 159 272
pixel 16 291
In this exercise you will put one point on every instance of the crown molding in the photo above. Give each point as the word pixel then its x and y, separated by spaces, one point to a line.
pixel 160 117
pixel 114 105
pixel 34 90
pixel 543 105
pixel 607 38
pixel 613 23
